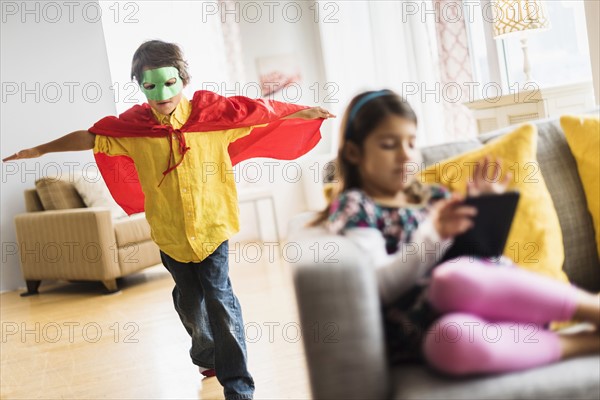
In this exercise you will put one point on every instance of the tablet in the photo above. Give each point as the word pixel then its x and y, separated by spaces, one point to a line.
pixel 487 237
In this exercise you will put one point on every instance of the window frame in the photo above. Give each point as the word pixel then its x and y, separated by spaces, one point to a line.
pixel 496 53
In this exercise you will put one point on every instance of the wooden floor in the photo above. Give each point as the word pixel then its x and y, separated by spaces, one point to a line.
pixel 73 342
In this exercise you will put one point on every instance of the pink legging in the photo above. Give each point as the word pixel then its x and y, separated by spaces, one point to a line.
pixel 494 318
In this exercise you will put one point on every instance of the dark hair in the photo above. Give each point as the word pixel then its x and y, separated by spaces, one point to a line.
pixel 157 54
pixel 366 118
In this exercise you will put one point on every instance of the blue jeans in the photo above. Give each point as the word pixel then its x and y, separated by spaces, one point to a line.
pixel 212 315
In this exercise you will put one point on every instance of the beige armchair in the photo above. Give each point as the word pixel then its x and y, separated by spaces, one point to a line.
pixel 79 243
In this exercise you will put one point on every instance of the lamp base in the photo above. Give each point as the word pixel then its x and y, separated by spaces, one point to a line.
pixel 526 61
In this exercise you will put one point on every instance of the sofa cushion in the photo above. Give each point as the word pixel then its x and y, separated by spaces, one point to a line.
pixel 436 153
pixel 535 239
pixel 57 193
pixel 571 379
pixel 134 229
pixel 559 169
pixel 583 137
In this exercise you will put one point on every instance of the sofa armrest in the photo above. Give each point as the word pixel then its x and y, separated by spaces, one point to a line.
pixel 67 244
pixel 340 315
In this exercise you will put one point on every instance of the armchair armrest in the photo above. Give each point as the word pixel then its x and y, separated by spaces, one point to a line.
pixel 341 319
pixel 68 244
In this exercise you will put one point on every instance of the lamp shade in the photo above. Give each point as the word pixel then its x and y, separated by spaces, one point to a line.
pixel 514 16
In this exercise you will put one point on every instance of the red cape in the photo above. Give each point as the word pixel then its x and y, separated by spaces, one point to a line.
pixel 282 139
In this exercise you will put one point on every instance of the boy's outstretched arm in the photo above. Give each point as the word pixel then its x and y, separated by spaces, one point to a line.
pixel 74 141
pixel 311 113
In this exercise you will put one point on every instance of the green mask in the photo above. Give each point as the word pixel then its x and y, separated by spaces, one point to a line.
pixel 159 77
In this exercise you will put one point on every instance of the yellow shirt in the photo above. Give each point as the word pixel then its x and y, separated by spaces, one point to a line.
pixel 195 209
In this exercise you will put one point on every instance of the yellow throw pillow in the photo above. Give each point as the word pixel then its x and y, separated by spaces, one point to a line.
pixel 535 239
pixel 583 137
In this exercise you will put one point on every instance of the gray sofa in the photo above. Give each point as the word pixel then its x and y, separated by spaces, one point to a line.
pixel 340 311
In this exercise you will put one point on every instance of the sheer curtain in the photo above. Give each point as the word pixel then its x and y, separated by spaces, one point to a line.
pixel 232 44
pixel 371 47
pixel 455 68
pixel 390 44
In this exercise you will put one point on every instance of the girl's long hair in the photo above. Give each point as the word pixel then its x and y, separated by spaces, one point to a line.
pixel 367 118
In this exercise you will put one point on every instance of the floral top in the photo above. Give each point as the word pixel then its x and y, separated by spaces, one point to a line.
pixel 355 209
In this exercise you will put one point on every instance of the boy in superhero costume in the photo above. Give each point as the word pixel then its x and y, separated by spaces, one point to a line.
pixel 172 158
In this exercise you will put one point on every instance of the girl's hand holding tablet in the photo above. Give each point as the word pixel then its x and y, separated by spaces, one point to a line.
pixel 451 217
pixel 486 178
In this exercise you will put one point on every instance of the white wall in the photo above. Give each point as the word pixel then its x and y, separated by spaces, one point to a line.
pixel 284 34
pixel 171 21
pixel 50 55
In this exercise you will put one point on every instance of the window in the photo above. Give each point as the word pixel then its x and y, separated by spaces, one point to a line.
pixel 559 55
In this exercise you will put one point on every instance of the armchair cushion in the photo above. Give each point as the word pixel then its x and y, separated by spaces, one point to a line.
pixel 134 229
pixel 58 194
pixel 32 201
pixel 93 190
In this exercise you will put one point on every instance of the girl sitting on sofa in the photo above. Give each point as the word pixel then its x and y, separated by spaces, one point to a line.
pixel 440 315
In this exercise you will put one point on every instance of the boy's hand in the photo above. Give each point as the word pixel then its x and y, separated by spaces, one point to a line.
pixel 311 113
pixel 317 112
pixel 450 218
pixel 27 153
pixel 485 181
